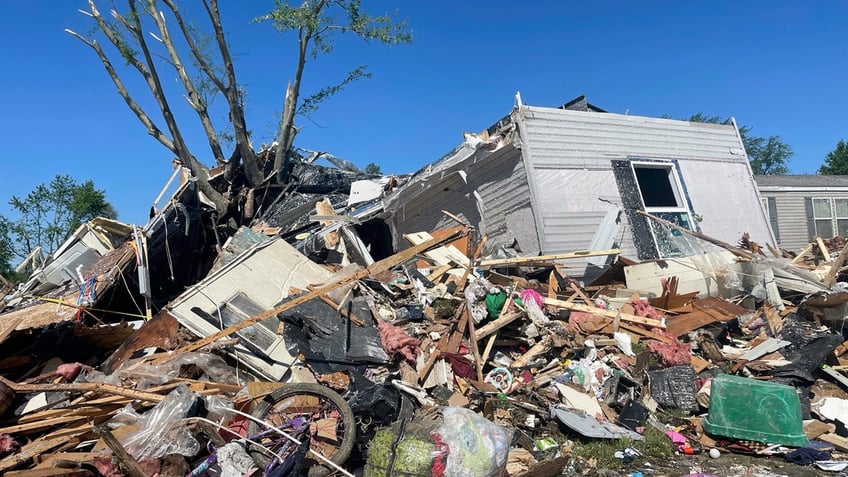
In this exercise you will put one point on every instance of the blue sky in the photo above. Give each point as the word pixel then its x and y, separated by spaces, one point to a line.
pixel 780 67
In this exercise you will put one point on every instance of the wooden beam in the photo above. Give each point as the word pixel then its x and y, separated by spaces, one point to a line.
pixel 801 254
pixel 434 356
pixel 378 267
pixel 823 249
pixel 607 313
pixel 830 278
pixel 126 462
pixel 541 347
pixel 475 350
pixel 544 258
pixel 85 387
pixel 28 451
pixel 498 323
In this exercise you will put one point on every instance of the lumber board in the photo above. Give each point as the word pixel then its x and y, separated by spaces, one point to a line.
pixel 498 323
pixel 607 313
pixel 29 451
pixel 544 258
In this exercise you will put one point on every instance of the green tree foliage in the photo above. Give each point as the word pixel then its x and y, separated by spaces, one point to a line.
pixel 373 169
pixel 6 251
pixel 316 24
pixel 767 155
pixel 48 215
pixel 836 161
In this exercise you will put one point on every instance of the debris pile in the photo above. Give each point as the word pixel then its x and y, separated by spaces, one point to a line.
pixel 309 344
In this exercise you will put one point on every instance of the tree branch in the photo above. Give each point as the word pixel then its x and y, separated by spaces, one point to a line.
pixel 248 156
pixel 204 65
pixel 152 129
pixel 193 96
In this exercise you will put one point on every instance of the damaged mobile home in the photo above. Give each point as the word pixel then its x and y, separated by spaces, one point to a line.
pixel 555 180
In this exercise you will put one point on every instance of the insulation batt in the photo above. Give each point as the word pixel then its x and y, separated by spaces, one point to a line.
pixel 395 341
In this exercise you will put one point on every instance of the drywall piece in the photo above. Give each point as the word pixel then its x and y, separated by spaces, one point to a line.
pixel 699 273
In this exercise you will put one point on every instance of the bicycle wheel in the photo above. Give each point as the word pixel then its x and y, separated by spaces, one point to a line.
pixel 328 419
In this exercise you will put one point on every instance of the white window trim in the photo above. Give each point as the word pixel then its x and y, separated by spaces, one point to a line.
pixel 834 218
pixel 677 189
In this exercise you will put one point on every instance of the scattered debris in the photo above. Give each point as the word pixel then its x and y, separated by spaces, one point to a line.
pixel 332 336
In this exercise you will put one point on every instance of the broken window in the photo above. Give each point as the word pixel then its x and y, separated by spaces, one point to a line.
pixel 830 216
pixel 662 195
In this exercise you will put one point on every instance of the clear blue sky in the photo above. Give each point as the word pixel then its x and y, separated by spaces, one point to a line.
pixel 780 67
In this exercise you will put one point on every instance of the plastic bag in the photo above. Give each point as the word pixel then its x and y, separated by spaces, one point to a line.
pixel 214 368
pixel 161 430
pixel 453 442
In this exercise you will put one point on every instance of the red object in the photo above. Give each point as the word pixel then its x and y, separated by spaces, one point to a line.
pixel 440 455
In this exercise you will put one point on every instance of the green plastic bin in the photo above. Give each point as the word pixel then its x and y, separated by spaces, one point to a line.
pixel 755 410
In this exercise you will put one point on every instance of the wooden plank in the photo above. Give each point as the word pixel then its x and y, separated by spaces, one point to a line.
pixel 96 387
pixel 838 441
pixel 475 350
pixel 539 348
pixel 681 324
pixel 434 356
pixel 730 248
pixel 40 425
pixel 545 258
pixel 29 451
pixel 830 278
pixel 823 249
pixel 126 462
pixel 645 333
pixel 456 337
pixel 437 273
pixel 607 313
pixel 498 323
pixel 373 269
pixel 801 254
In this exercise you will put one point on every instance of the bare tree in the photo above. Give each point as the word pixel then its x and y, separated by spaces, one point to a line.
pixel 315 23
pixel 125 33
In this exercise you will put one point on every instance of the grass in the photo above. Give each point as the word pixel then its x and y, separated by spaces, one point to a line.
pixel 655 447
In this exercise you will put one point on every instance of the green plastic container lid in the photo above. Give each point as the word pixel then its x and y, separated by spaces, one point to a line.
pixel 755 410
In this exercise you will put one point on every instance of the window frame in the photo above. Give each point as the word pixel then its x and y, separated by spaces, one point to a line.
pixel 834 216
pixel 680 197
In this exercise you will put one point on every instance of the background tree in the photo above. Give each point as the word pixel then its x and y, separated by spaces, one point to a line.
pixel 373 169
pixel 836 161
pixel 316 24
pixel 48 215
pixel 767 155
pixel 6 253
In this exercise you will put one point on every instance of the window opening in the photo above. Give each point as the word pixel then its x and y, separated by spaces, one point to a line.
pixel 662 196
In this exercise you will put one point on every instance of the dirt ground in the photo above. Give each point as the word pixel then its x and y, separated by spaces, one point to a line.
pixel 727 465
